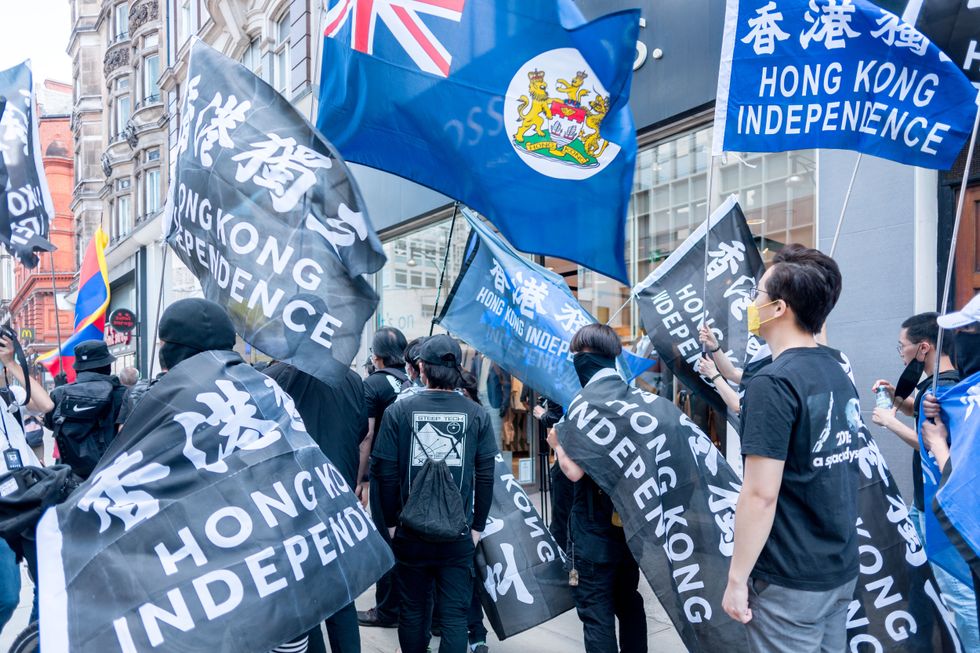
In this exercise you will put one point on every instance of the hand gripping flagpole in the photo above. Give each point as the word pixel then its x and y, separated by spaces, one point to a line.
pixel 843 208
pixel 961 200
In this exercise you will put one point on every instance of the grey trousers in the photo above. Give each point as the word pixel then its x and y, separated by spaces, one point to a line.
pixel 796 621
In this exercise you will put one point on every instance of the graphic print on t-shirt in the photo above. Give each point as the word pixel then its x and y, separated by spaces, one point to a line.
pixel 838 429
pixel 441 436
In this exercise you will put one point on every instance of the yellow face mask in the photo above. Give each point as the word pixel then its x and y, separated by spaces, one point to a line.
pixel 752 315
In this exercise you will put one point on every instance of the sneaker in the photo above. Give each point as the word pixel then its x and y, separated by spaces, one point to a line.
pixel 480 648
pixel 370 618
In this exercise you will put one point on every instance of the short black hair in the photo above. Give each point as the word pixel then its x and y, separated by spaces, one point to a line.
pixel 809 281
pixel 412 353
pixel 441 377
pixel 389 345
pixel 597 338
pixel 924 327
pixel 470 386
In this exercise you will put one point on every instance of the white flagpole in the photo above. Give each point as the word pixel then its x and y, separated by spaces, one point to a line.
pixel 707 237
pixel 952 243
pixel 843 209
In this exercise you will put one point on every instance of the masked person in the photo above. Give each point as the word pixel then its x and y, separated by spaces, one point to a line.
pixel 795 560
pixel 431 446
pixel 959 596
pixel 608 574
pixel 381 389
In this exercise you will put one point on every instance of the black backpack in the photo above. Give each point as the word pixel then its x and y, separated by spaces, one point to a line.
pixel 398 375
pixel 434 509
pixel 85 423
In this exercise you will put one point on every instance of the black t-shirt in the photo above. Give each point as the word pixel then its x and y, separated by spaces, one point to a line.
pixel 443 425
pixel 952 377
pixel 335 416
pixel 380 390
pixel 803 409
pixel 596 538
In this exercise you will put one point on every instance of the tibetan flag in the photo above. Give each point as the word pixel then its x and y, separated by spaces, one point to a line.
pixel 90 308
pixel 517 109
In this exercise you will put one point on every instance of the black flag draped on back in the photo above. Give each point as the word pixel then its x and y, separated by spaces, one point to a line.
pixel 672 307
pixel 213 523
pixel 676 496
pixel 25 203
pixel 267 216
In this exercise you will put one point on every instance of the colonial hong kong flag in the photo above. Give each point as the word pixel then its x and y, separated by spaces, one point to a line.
pixel 516 108
pixel 90 308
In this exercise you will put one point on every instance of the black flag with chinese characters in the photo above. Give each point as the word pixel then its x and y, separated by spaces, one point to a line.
pixel 213 523
pixel 267 216
pixel 676 496
pixel 520 568
pixel 954 27
pixel 672 307
pixel 27 209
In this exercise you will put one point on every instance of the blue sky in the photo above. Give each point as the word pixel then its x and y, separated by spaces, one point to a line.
pixel 36 30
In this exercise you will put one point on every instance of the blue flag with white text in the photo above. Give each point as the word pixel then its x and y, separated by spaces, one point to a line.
pixel 840 74
pixel 516 313
pixel 517 109
pixel 958 500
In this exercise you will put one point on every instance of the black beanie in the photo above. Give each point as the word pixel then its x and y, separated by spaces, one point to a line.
pixel 197 323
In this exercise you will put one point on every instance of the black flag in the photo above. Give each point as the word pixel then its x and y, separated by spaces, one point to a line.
pixel 676 496
pixel 672 307
pixel 212 523
pixel 954 27
pixel 27 209
pixel 266 215
pixel 522 575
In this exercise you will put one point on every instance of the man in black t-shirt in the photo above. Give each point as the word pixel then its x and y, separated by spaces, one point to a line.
pixel 336 418
pixel 381 388
pixel 442 425
pixel 795 563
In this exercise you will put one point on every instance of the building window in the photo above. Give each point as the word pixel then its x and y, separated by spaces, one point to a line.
pixel 280 54
pixel 151 191
pixel 252 57
pixel 186 25
pixel 122 113
pixel 151 76
pixel 122 222
pixel 153 155
pixel 151 41
pixel 120 22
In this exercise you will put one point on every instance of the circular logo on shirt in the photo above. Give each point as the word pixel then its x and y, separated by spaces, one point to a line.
pixel 558 104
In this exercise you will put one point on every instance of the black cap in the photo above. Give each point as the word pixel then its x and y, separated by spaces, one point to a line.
pixel 91 355
pixel 197 323
pixel 441 350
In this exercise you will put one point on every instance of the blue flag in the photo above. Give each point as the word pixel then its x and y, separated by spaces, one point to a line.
pixel 518 109
pixel 516 313
pixel 958 498
pixel 841 74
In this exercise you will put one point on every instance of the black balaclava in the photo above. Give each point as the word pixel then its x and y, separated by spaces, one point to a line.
pixel 967 346
pixel 172 353
pixel 588 364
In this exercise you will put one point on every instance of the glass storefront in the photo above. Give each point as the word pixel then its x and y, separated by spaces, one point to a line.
pixel 777 194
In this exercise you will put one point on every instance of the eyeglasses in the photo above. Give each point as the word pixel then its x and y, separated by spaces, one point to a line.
pixel 754 292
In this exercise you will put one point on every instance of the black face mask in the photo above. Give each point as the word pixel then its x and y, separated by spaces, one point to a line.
pixel 588 365
pixel 967 352
pixel 909 379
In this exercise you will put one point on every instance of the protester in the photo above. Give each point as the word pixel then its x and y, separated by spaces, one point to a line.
pixel 34 433
pixel 412 362
pixel 429 446
pixel 608 575
pixel 129 376
pixel 85 412
pixel 961 598
pixel 547 412
pixel 718 368
pixel 14 438
pixel 336 419
pixel 795 561
pixel 381 389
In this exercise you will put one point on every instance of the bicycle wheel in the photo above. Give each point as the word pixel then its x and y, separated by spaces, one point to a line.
pixel 29 640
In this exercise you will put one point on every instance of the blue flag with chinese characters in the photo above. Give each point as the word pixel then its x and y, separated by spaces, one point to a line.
pixel 841 74
pixel 516 313
pixel 517 109
pixel 959 503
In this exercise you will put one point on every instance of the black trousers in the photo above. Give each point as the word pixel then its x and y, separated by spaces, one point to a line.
pixel 607 592
pixel 342 631
pixel 387 593
pixel 448 566
pixel 562 494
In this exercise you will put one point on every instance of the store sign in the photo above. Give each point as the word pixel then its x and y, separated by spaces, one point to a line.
pixel 123 320
pixel 26 335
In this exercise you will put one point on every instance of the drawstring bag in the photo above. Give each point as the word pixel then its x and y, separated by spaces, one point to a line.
pixel 434 509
